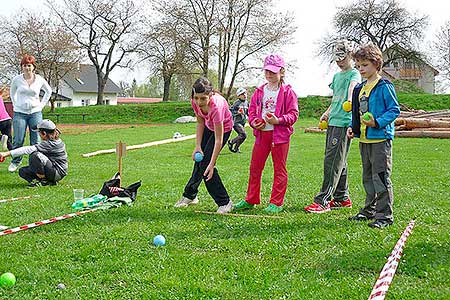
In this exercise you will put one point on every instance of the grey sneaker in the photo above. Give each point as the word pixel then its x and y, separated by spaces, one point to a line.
pixel 184 202
pixel 225 208
pixel 13 167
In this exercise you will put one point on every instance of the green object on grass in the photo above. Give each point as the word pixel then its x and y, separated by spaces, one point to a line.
pixel 7 280
pixel 273 209
pixel 243 205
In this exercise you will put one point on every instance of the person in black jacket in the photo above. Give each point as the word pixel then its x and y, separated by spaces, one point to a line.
pixel 239 110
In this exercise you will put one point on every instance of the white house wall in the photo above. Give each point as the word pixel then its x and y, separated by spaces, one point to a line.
pixel 78 98
pixel 65 89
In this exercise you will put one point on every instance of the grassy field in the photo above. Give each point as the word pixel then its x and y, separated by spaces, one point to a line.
pixel 109 255
pixel 157 113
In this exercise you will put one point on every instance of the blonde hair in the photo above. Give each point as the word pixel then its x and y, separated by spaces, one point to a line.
pixel 282 74
pixel 370 52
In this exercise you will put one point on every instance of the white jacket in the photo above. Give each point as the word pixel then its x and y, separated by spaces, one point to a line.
pixel 25 98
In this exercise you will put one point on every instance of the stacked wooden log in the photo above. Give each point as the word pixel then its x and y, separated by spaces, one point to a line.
pixel 435 124
pixel 416 124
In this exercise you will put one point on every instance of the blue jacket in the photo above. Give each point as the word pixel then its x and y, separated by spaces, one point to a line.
pixel 383 105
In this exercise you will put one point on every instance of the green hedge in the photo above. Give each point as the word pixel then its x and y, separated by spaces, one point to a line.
pixel 312 106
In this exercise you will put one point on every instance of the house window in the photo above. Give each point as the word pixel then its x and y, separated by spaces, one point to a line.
pixel 106 102
pixel 84 102
pixel 58 104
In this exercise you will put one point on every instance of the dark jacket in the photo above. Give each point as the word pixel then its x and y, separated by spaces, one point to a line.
pixel 238 117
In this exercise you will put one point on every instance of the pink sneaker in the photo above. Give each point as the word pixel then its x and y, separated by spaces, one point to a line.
pixel 336 204
pixel 317 208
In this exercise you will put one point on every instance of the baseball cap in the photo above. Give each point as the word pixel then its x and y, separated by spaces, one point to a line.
pixel 341 49
pixel 240 91
pixel 273 63
pixel 46 124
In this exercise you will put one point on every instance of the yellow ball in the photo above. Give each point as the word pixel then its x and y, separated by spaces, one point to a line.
pixel 347 106
pixel 323 125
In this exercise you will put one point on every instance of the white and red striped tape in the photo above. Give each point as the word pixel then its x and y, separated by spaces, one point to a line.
pixel 44 222
pixel 17 198
pixel 381 287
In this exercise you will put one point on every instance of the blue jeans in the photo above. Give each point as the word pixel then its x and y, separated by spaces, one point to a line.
pixel 20 123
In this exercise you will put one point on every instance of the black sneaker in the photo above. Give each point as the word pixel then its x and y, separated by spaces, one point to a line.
pixel 45 182
pixel 380 224
pixel 360 217
pixel 230 146
pixel 34 183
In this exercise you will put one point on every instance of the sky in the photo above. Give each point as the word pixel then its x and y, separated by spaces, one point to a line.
pixel 313 21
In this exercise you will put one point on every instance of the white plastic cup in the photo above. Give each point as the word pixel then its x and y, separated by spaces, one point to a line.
pixel 78 194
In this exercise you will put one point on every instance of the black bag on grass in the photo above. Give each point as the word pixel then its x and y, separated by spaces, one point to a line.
pixel 111 188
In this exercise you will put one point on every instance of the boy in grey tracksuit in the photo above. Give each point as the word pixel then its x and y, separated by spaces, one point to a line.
pixel 48 161
pixel 239 110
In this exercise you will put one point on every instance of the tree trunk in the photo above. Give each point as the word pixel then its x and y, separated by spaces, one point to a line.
pixel 167 80
pixel 52 105
pixel 100 89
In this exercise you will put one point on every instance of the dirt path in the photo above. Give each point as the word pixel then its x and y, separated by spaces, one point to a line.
pixel 91 128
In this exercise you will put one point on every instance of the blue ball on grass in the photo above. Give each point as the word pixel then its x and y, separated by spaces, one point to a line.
pixel 159 240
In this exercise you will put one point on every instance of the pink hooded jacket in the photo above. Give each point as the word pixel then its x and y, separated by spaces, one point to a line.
pixel 286 111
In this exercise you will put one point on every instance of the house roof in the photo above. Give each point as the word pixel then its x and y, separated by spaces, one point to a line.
pixel 85 80
pixel 435 71
pixel 129 100
pixel 59 97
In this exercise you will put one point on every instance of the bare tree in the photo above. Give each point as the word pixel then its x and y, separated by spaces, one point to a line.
pixel 231 33
pixel 167 51
pixel 198 20
pixel 442 50
pixel 246 30
pixel 106 30
pixel 55 49
pixel 384 22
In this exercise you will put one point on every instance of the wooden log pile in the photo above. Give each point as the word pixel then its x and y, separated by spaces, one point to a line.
pixel 434 124
pixel 416 124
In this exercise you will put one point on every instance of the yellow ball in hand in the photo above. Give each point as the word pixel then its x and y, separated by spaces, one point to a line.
pixel 347 106
pixel 323 125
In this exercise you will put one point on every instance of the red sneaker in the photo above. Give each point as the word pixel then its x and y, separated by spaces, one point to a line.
pixel 336 204
pixel 317 208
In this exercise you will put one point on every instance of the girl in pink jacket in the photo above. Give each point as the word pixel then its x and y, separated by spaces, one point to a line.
pixel 5 124
pixel 272 113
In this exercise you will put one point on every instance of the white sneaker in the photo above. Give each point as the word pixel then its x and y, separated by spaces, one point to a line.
pixel 13 167
pixel 4 142
pixel 184 202
pixel 225 208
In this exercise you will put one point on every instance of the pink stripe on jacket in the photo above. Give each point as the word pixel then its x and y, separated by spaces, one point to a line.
pixel 3 113
pixel 286 111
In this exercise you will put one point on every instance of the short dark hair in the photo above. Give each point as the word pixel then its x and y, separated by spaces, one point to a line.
pixel 201 85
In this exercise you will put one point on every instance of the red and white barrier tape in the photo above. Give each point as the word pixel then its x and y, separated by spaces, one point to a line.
pixel 381 287
pixel 44 222
pixel 17 198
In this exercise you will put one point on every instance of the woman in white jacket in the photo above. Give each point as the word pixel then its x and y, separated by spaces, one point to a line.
pixel 24 93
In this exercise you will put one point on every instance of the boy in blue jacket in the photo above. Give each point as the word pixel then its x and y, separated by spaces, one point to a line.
pixel 374 110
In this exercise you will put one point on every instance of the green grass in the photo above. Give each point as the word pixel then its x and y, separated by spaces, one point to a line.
pixel 109 255
pixel 309 107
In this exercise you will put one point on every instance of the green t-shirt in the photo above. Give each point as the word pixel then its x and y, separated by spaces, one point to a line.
pixel 341 81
